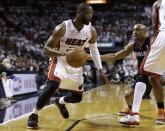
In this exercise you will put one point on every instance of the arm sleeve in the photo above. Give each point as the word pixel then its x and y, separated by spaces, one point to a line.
pixel 95 55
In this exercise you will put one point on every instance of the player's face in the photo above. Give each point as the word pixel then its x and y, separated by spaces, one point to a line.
pixel 138 32
pixel 86 15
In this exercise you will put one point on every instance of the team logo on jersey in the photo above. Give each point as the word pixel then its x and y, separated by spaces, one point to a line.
pixel 78 42
pixel 141 53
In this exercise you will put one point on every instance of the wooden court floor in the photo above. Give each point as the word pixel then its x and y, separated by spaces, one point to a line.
pixel 97 112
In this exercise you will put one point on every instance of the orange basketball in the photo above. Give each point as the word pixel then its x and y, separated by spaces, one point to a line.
pixel 77 58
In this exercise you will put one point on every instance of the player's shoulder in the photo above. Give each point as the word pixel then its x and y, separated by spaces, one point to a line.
pixel 130 45
pixel 93 29
pixel 62 26
pixel 60 29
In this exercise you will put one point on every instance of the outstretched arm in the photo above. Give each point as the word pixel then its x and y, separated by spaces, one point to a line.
pixel 119 55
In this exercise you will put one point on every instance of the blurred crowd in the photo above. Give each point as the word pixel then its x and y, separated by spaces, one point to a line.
pixel 26 25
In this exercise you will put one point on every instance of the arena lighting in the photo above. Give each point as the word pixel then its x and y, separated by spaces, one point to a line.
pixel 96 1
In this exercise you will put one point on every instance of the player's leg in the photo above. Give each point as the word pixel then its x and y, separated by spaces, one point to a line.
pixel 61 73
pixel 148 90
pixel 49 90
pixel 71 97
pixel 154 65
pixel 133 117
pixel 72 83
pixel 43 99
pixel 76 95
pixel 128 100
pixel 158 92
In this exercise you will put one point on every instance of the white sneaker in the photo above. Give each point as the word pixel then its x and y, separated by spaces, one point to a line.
pixel 161 117
pixel 131 119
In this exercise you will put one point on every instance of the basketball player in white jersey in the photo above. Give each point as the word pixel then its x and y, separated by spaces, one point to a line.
pixel 67 36
pixel 153 65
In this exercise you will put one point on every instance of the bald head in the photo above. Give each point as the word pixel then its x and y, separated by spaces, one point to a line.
pixel 140 31
pixel 140 27
pixel 82 6
pixel 84 13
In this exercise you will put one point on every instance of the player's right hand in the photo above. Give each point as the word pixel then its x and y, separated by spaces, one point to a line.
pixel 103 77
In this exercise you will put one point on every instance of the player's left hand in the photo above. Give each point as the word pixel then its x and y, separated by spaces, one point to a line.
pixel 103 77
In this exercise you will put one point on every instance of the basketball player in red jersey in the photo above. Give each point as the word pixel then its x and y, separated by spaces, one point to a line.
pixel 67 36
pixel 154 63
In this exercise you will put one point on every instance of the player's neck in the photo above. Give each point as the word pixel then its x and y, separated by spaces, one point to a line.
pixel 140 42
pixel 78 24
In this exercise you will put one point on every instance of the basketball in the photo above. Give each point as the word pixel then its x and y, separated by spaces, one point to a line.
pixel 77 58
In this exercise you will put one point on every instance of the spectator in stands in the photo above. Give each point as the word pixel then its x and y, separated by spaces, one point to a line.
pixel 6 72
pixel 27 29
pixel 3 71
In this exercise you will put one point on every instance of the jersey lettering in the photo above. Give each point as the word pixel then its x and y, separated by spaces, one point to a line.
pixel 78 42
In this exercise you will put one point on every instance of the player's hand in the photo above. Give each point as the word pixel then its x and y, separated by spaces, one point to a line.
pixel 103 77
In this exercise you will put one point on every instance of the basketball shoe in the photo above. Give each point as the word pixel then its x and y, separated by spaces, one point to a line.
pixel 32 121
pixel 63 110
pixel 131 119
pixel 161 117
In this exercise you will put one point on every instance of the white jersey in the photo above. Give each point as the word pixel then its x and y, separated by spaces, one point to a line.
pixel 162 16
pixel 71 39
pixel 74 38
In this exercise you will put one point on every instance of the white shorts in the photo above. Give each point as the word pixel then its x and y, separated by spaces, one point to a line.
pixel 155 61
pixel 71 78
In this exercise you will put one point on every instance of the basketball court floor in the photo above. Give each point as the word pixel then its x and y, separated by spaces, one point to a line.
pixel 97 112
